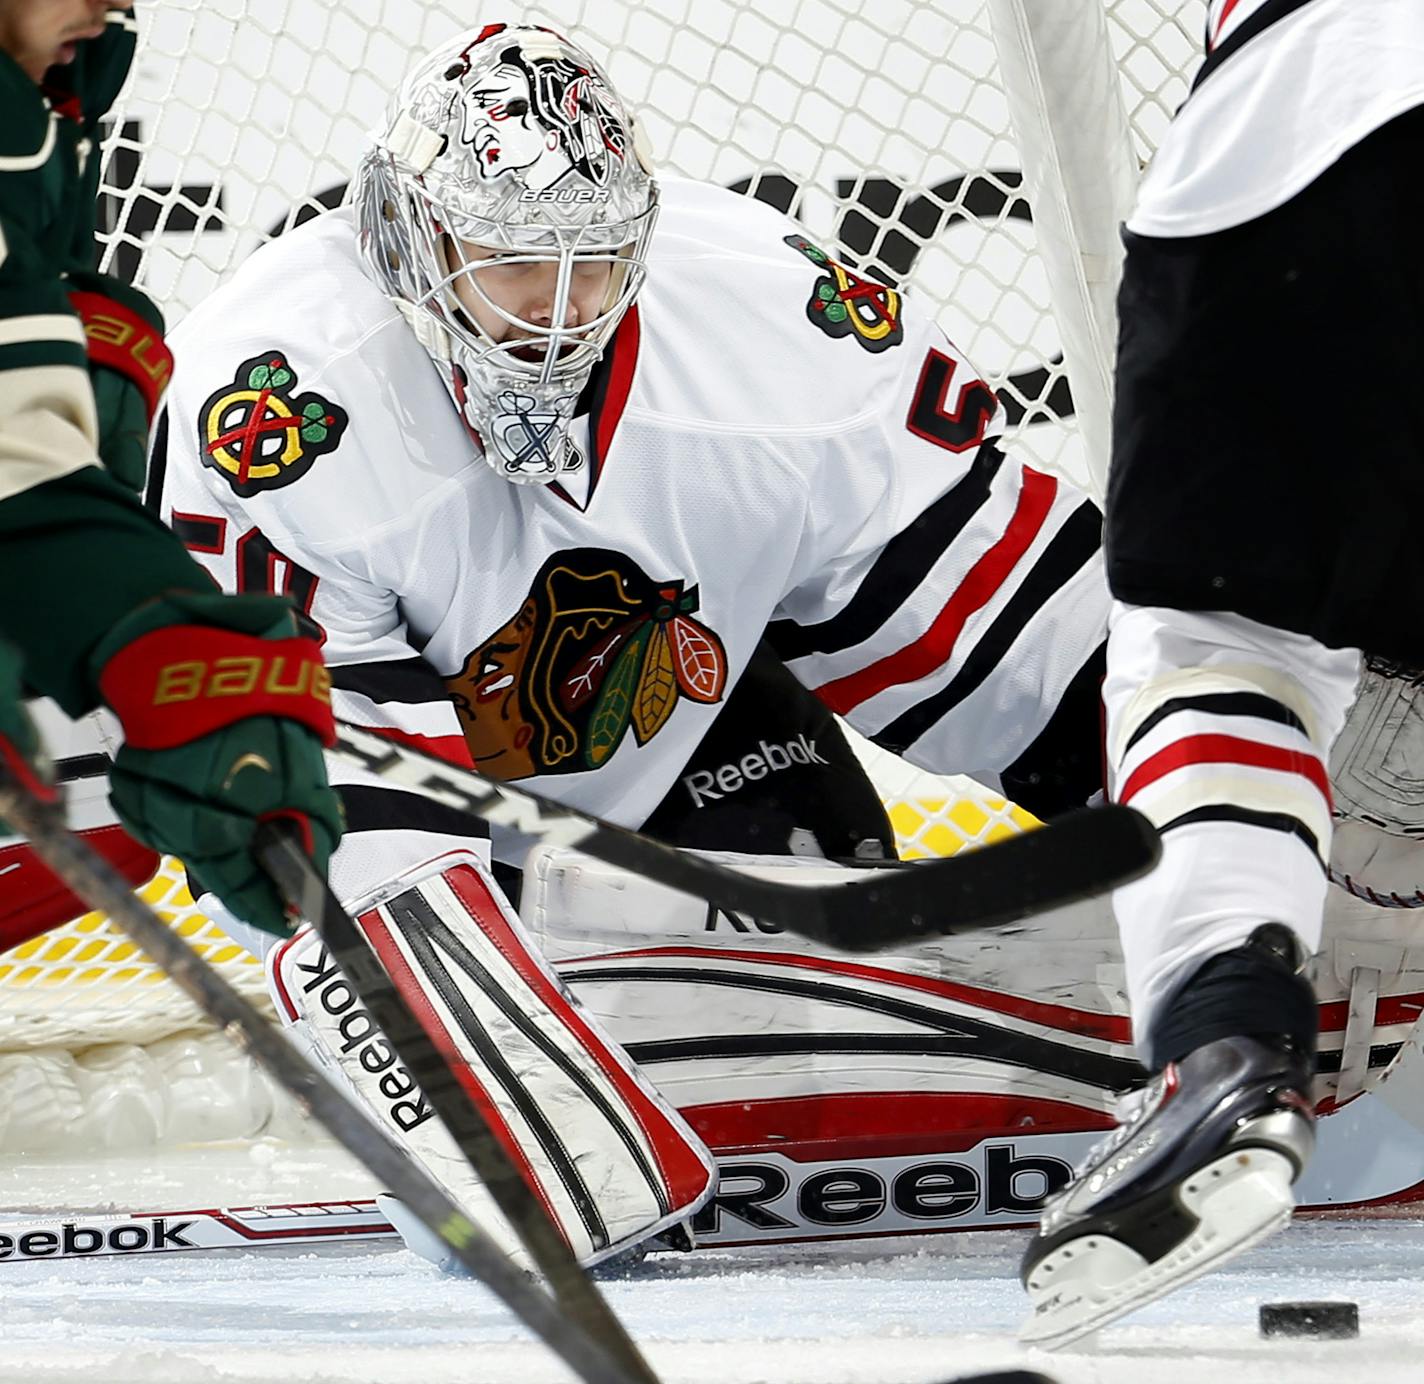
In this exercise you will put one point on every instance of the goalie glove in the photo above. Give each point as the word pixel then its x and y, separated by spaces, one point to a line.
pixel 129 368
pixel 225 707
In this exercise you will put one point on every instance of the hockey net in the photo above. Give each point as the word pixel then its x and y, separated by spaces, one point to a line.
pixel 884 126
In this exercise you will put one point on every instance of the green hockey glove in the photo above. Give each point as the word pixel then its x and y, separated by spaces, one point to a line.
pixel 20 751
pixel 129 367
pixel 225 706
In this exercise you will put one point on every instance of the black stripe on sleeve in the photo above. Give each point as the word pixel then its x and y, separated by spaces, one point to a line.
pixel 1268 14
pixel 1074 544
pixel 1245 816
pixel 1255 704
pixel 409 680
pixel 392 809
pixel 903 564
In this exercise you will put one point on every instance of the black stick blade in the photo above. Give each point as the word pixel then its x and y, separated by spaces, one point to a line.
pixel 1077 856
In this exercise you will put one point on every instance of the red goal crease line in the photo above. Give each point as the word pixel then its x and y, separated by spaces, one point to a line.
pixel 82 1236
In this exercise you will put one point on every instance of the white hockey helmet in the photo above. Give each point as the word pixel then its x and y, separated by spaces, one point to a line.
pixel 508 154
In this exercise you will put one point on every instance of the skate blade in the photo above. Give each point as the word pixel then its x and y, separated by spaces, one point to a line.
pixel 1238 1200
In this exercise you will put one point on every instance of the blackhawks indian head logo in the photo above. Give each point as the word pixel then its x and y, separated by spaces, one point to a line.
pixel 596 650
pixel 259 433
pixel 844 304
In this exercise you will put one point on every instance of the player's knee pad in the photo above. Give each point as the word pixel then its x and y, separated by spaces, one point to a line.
pixel 609 1160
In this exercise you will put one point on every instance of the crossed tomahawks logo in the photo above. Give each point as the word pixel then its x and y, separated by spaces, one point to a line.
pixel 533 434
pixel 844 304
pixel 259 434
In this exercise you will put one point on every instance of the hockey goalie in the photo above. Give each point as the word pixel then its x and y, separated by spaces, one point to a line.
pixel 591 480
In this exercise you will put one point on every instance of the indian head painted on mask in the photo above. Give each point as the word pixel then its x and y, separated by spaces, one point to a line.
pixel 542 116
pixel 596 647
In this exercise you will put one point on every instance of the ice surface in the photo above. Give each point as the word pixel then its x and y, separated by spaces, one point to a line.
pixel 903 1311
pixel 895 1312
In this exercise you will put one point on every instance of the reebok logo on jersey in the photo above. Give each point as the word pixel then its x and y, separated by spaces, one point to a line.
pixel 708 785
pixel 258 434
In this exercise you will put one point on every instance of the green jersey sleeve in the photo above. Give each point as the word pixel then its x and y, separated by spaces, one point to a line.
pixel 49 167
pixel 77 553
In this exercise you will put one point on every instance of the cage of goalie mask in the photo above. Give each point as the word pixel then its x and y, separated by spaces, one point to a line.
pixel 508 151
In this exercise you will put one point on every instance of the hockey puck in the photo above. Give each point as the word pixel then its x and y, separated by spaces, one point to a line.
pixel 1331 1321
pixel 1004 1377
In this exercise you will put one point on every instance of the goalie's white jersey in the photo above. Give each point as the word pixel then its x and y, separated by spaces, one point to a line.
pixel 772 443
pixel 1286 87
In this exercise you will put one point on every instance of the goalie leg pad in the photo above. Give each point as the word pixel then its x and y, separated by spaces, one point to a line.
pixel 609 1160
pixel 764 1040
pixel 1377 769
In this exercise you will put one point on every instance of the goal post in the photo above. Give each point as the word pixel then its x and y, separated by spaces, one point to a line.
pixel 977 153
pixel 1065 101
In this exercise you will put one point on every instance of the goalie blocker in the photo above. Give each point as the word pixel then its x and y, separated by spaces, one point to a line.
pixel 609 1160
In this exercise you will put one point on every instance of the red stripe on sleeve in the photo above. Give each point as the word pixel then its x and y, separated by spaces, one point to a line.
pixel 1221 22
pixel 451 748
pixel 933 648
pixel 1224 749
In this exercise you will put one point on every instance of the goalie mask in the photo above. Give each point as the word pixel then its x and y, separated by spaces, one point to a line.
pixel 506 211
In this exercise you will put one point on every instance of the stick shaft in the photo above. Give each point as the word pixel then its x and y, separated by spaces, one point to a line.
pixel 298 882
pixel 102 887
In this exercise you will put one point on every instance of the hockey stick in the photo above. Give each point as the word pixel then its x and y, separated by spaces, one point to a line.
pixel 298 882
pixel 96 1235
pixel 1076 857
pixel 94 880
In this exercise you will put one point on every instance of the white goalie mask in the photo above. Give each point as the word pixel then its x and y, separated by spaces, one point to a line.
pixel 506 210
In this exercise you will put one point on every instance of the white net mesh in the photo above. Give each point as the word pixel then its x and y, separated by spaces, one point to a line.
pixel 878 123
pixel 86 982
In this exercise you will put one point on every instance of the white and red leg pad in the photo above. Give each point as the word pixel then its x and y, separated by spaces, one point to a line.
pixel 610 1161
pixel 766 1042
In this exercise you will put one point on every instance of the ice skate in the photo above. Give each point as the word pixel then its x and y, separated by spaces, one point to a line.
pixel 1200 1170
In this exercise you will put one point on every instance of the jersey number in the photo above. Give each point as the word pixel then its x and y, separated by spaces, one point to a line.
pixel 257 560
pixel 956 429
